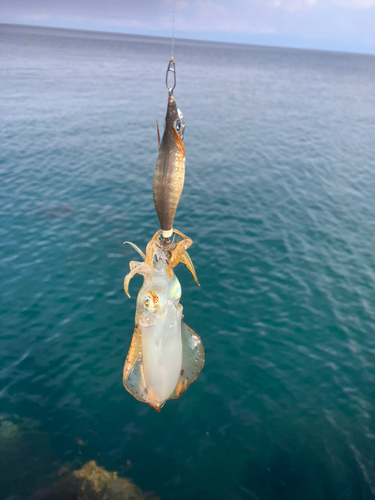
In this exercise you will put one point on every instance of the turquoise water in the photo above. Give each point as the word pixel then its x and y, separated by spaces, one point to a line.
pixel 279 199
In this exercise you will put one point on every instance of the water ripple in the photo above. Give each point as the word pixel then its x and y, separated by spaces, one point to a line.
pixel 279 200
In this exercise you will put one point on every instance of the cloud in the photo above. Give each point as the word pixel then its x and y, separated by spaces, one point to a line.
pixel 190 15
pixel 235 16
pixel 301 19
pixel 300 4
pixel 294 5
pixel 354 4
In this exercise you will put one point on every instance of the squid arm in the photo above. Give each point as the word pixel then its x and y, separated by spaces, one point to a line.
pixel 136 268
pixel 177 253
pixel 151 249
pixel 137 249
pixel 185 259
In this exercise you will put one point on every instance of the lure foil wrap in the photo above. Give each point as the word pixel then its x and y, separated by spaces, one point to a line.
pixel 165 355
pixel 170 167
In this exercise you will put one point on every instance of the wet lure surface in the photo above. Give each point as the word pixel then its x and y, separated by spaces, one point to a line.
pixel 165 355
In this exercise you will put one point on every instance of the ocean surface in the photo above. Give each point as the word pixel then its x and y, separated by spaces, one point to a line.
pixel 279 200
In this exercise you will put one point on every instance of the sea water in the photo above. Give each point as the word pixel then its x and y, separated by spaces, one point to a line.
pixel 279 200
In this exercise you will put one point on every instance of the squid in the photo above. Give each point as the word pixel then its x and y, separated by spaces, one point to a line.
pixel 165 355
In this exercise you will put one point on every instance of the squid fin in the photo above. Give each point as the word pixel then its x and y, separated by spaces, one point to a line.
pixel 157 128
pixel 192 359
pixel 180 143
pixel 137 249
pixel 185 259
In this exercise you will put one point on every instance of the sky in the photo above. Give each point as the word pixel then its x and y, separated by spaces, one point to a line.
pixel 342 25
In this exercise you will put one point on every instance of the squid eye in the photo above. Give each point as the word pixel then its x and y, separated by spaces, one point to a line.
pixel 178 125
pixel 153 302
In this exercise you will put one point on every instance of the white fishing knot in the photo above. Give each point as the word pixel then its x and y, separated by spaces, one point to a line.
pixel 167 234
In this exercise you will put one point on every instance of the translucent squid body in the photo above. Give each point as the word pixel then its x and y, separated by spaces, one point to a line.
pixel 165 355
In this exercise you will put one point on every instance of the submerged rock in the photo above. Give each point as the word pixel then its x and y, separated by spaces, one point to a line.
pixel 12 429
pixel 92 482
pixel 8 430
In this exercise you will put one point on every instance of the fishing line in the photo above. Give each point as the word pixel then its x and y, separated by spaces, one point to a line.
pixel 174 4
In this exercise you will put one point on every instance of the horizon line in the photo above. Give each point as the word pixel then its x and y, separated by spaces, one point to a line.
pixel 116 33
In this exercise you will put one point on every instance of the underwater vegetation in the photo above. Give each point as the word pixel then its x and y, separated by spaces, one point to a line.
pixel 92 482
